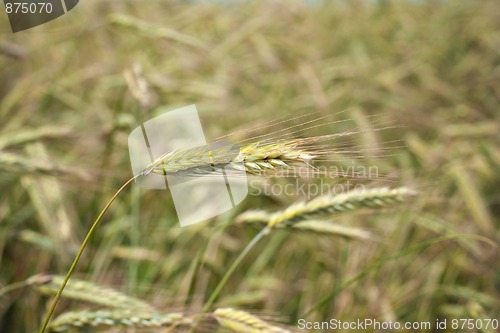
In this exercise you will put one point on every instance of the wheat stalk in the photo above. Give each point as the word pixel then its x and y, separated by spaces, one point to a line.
pixel 253 158
pixel 85 241
pixel 106 319
pixel 243 322
pixel 88 292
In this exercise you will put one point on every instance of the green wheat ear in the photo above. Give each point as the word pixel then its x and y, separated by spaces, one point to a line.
pixel 306 216
pixel 253 158
pixel 329 204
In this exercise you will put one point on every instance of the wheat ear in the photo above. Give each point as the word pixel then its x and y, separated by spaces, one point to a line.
pixel 107 319
pixel 243 322
pixel 89 292
pixel 328 204
pixel 253 158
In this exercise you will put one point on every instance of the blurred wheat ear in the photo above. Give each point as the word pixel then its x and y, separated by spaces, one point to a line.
pixel 89 292
pixel 242 322
pixel 86 321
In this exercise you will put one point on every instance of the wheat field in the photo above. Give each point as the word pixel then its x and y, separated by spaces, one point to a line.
pixel 391 106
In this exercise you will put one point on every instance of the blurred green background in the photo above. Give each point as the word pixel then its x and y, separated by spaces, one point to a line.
pixel 432 68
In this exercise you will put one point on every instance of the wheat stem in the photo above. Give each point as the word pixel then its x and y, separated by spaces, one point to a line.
pixel 228 274
pixel 233 267
pixel 252 158
pixel 79 254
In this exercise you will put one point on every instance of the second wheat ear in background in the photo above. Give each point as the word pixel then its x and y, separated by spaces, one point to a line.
pixel 329 204
pixel 318 207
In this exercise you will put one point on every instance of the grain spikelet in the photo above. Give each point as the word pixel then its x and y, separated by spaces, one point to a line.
pixel 243 322
pixel 88 292
pixel 106 319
